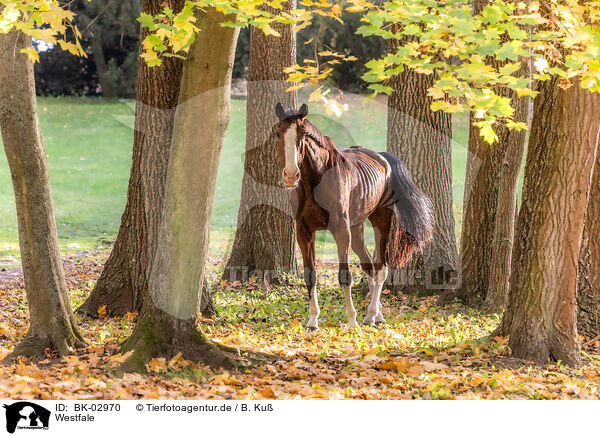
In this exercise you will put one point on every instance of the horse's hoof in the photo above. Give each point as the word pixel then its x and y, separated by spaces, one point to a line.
pixel 312 328
pixel 368 321
pixel 380 322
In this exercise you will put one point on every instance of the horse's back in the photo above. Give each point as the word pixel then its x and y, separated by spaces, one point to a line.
pixel 370 173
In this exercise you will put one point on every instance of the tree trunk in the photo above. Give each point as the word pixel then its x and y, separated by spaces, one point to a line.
pixel 479 213
pixel 489 203
pixel 541 318
pixel 588 292
pixel 167 323
pixel 489 211
pixel 124 277
pixel 51 324
pixel 264 241
pixel 422 139
pixel 108 89
pixel 501 246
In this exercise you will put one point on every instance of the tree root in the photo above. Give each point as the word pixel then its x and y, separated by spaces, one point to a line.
pixel 159 335
pixel 41 347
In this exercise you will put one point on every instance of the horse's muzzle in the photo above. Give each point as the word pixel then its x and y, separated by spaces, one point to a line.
pixel 290 181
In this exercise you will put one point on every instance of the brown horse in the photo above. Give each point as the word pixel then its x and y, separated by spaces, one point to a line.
pixel 338 190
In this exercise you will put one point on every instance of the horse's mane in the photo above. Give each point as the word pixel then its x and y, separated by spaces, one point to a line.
pixel 317 137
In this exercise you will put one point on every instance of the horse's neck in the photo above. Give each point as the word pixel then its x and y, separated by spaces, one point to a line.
pixel 317 159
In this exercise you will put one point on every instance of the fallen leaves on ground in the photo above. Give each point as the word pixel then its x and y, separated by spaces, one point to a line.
pixel 424 352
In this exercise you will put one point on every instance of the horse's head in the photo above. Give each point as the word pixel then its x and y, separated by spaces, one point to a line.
pixel 290 134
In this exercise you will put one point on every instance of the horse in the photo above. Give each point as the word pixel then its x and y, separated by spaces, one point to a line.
pixel 338 190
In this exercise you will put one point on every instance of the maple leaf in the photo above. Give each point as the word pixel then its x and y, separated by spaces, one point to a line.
pixel 268 393
pixel 157 364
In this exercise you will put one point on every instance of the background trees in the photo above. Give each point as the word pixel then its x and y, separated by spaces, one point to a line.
pixel 264 243
pixel 110 38
pixel 422 139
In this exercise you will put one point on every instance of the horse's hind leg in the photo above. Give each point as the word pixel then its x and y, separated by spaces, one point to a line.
pixel 360 248
pixel 381 221
pixel 341 234
pixel 306 242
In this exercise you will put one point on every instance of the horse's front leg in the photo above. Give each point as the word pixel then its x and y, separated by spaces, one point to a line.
pixel 306 241
pixel 341 234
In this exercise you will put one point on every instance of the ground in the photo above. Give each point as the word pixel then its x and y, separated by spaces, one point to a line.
pixel 424 351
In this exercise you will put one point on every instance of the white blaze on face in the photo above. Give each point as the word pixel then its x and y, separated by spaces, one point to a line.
pixel 290 138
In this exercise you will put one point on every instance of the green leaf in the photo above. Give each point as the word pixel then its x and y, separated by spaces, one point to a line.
pixel 411 29
pixel 146 20
pixel 381 88
pixel 511 50
pixel 510 68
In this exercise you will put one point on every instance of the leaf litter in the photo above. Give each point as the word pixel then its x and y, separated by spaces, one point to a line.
pixel 423 352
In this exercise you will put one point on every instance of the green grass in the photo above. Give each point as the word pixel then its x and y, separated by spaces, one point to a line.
pixel 88 142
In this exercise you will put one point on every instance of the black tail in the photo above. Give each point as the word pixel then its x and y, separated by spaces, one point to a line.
pixel 414 213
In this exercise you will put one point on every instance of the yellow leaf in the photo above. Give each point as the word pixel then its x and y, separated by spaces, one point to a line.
pixel 178 362
pixel 157 364
pixel 225 379
pixel 336 9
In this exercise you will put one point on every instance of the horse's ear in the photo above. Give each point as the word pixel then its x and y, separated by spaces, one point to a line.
pixel 303 111
pixel 279 111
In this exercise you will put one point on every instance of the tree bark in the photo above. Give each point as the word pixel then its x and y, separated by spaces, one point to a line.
pixel 264 241
pixel 588 290
pixel 124 277
pixel 489 211
pixel 541 318
pixel 167 322
pixel 479 213
pixel 502 241
pixel 422 139
pixel 489 203
pixel 51 324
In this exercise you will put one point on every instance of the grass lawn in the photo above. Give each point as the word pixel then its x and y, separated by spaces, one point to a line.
pixel 89 142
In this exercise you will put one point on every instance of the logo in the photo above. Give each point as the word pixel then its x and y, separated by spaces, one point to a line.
pixel 26 415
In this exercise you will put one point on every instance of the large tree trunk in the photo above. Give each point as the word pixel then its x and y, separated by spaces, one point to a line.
pixel 588 291
pixel 264 241
pixel 167 323
pixel 422 139
pixel 124 277
pixel 51 323
pixel 541 318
